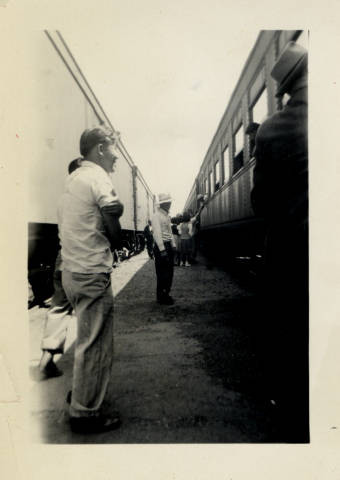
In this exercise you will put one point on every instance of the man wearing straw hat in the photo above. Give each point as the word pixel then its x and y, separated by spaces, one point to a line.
pixel 163 249
pixel 280 195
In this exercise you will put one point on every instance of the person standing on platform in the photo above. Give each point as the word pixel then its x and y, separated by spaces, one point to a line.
pixel 58 316
pixel 194 239
pixel 149 239
pixel 164 245
pixel 280 196
pixel 185 233
pixel 175 233
pixel 88 220
pixel 195 221
pixel 178 220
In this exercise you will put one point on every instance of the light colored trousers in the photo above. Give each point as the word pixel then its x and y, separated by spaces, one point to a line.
pixel 57 319
pixel 92 299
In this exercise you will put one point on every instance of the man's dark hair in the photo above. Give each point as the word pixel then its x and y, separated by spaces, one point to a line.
pixel 74 165
pixel 94 136
pixel 186 217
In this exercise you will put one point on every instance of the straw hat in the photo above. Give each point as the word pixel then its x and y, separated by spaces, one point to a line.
pixel 164 198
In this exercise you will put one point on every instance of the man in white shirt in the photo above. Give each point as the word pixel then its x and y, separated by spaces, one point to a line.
pixel 164 245
pixel 89 229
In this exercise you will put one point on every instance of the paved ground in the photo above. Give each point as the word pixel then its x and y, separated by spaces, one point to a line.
pixel 187 373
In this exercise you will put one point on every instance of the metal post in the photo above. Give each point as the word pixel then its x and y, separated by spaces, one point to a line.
pixel 134 193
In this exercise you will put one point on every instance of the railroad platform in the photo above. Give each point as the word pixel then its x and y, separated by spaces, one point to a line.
pixel 186 373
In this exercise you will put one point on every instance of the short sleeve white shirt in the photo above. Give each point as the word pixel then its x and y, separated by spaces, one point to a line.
pixel 85 247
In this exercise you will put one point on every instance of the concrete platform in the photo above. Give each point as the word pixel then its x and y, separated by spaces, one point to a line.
pixel 186 373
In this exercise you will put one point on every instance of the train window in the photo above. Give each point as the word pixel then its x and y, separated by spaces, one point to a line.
pixel 211 183
pixel 226 169
pixel 260 107
pixel 238 150
pixel 217 175
pixel 257 86
pixel 259 112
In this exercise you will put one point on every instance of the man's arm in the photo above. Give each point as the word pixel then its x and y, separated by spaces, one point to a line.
pixel 191 227
pixel 111 214
pixel 157 233
pixel 110 208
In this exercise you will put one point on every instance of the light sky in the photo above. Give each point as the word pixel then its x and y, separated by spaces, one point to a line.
pixel 164 76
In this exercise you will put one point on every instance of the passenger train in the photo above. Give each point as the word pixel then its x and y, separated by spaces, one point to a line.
pixel 65 106
pixel 225 178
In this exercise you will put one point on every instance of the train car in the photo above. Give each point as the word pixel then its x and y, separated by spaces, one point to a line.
pixel 225 177
pixel 65 106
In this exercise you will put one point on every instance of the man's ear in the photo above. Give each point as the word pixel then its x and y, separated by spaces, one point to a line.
pixel 100 149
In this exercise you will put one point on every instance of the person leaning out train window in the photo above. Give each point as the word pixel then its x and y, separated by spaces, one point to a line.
pixel 185 233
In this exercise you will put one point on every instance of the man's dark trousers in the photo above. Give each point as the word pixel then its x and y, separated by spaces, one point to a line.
pixel 164 270
pixel 149 247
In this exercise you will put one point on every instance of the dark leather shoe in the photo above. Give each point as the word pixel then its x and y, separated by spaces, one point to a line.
pixel 95 424
pixel 50 370
pixel 166 300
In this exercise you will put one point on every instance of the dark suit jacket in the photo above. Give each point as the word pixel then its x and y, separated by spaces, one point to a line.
pixel 280 190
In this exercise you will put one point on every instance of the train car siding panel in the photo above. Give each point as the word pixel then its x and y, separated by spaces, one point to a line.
pixel 270 83
pixel 142 205
pixel 122 182
pixel 55 126
pixel 248 211
pixel 150 206
pixel 253 99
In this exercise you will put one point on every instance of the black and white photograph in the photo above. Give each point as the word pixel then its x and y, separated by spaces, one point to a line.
pixel 169 304
pixel 170 244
